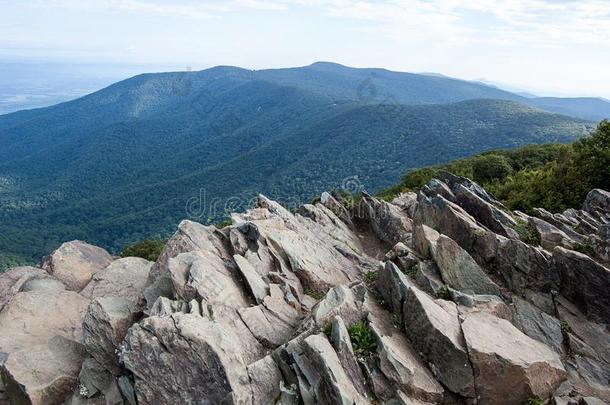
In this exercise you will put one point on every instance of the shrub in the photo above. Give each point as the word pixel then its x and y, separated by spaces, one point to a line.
pixel 362 338
pixel 148 249
pixel 443 293
pixel 490 167
pixel 224 223
pixel 534 401
pixel 527 232
pixel 370 277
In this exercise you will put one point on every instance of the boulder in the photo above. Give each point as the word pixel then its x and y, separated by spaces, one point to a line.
pixel 97 384
pixel 597 201
pixel 43 374
pixel 188 359
pixel 332 385
pixel 342 344
pixel 435 333
pixel 23 279
pixel 257 286
pixel 388 222
pixel 74 263
pixel 509 366
pixel 459 270
pixel 105 325
pixel 204 276
pixel 537 324
pixel 584 282
pixel 124 278
pixel 189 237
pixel 274 321
pixel 397 359
pixel 266 381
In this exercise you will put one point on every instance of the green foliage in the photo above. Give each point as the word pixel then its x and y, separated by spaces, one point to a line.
pixel 224 223
pixel 362 338
pixel 316 295
pixel 412 272
pixel 527 232
pixel 565 327
pixel 443 293
pixel 552 176
pixel 489 167
pixel 328 329
pixel 370 277
pixel 586 248
pixel 148 249
pixel 534 401
pixel 396 321
pixel 155 154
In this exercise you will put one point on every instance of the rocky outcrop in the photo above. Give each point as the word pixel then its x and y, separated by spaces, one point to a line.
pixel 75 263
pixel 441 297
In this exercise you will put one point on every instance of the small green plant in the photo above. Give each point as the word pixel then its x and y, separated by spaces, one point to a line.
pixel 527 232
pixel 443 293
pixel 396 321
pixel 328 329
pixel 534 401
pixel 586 248
pixel 315 200
pixel 370 277
pixel 412 271
pixel 565 327
pixel 224 223
pixel 316 295
pixel 148 249
pixel 363 339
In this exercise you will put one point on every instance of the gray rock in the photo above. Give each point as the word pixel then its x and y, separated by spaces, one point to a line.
pixel 435 333
pixel 397 359
pixel 255 282
pixel 74 263
pixel 537 324
pixel 104 328
pixel 597 200
pixel 122 278
pixel 333 385
pixel 393 286
pixel 388 222
pixel 459 270
pixel 186 358
pixel 345 352
pixel 265 380
pixel 584 282
pixel 509 366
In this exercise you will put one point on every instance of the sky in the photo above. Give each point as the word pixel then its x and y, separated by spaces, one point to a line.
pixel 549 47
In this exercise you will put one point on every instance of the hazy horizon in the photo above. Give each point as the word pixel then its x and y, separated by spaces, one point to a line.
pixel 554 48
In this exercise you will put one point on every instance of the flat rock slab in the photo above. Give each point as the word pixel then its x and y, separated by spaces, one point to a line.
pixel 509 366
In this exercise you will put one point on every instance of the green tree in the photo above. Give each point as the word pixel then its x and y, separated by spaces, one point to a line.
pixel 148 249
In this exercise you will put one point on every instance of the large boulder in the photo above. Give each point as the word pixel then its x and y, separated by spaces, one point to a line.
pixel 388 222
pixel 584 282
pixel 74 263
pixel 122 278
pixel 537 324
pixel 459 270
pixel 509 367
pixel 434 330
pixel 105 325
pixel 188 359
pixel 40 334
pixel 597 202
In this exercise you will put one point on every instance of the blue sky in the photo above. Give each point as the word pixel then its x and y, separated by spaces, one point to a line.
pixel 546 46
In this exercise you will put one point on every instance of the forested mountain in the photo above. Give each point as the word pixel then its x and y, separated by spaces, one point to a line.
pixel 123 163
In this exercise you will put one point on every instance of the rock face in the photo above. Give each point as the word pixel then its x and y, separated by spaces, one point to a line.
pixel 74 263
pixel 508 373
pixel 434 298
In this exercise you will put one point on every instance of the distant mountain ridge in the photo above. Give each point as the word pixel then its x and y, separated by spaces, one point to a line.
pixel 123 163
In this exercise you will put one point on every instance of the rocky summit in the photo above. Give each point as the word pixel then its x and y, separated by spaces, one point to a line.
pixel 440 297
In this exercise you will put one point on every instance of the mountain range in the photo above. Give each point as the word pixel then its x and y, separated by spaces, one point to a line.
pixel 131 160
